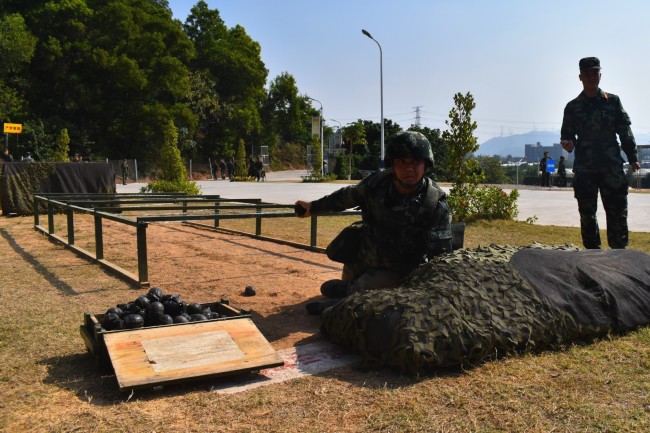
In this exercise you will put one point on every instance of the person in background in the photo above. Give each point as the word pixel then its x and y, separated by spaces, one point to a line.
pixel 222 168
pixel 27 158
pixel 546 176
pixel 405 221
pixel 259 170
pixel 125 170
pixel 590 125
pixel 6 156
pixel 231 169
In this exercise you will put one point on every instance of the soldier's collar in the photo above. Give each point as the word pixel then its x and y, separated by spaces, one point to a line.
pixel 600 94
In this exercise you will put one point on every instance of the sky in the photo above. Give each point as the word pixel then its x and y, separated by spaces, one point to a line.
pixel 519 59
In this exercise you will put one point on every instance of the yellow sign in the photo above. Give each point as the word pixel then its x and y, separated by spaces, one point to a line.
pixel 13 128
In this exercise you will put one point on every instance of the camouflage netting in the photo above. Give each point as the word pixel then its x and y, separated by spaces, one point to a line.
pixel 467 307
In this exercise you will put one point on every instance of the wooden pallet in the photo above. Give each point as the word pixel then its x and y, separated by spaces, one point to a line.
pixel 159 355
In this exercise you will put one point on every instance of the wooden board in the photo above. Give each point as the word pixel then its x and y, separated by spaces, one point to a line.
pixel 148 357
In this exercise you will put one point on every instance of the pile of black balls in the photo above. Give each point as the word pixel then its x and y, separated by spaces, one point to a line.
pixel 155 309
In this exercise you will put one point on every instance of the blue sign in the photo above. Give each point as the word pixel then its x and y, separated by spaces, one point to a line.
pixel 550 166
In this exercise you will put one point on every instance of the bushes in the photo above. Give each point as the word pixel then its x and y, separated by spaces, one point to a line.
pixel 486 202
pixel 189 188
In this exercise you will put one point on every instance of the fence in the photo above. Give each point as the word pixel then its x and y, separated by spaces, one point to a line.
pixel 112 207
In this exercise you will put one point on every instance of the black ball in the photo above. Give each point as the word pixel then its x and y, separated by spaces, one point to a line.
pixel 206 311
pixel 197 317
pixel 194 308
pixel 250 291
pixel 172 308
pixel 114 310
pixel 170 297
pixel 165 319
pixel 133 321
pixel 111 322
pixel 181 319
pixel 153 319
pixel 142 302
pixel 214 315
pixel 155 307
pixel 155 294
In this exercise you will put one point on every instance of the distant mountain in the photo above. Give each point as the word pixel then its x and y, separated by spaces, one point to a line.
pixel 514 144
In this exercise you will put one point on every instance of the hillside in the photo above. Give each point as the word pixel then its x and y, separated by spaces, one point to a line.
pixel 514 144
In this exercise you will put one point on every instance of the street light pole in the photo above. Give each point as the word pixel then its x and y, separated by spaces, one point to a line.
pixel 381 92
pixel 518 164
pixel 320 121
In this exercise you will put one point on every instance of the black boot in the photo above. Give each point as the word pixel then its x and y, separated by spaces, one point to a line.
pixel 335 288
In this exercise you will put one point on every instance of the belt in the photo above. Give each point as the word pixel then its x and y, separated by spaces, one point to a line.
pixel 604 135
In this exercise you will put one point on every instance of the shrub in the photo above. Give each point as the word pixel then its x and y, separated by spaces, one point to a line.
pixel 173 174
pixel 316 177
pixel 189 188
pixel 486 202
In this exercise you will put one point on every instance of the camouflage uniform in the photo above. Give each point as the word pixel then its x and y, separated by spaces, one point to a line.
pixel 592 125
pixel 398 232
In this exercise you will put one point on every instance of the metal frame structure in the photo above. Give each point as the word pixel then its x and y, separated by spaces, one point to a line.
pixel 111 206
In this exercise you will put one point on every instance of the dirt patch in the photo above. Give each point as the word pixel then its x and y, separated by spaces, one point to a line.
pixel 203 266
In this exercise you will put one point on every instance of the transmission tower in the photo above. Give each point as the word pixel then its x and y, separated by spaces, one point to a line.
pixel 417 115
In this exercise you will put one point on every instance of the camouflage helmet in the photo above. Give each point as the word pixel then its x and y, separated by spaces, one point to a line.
pixel 409 144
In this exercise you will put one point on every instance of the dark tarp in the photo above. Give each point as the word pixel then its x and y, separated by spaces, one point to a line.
pixel 608 289
pixel 477 304
pixel 20 180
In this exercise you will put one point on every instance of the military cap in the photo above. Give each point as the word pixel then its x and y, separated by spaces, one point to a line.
pixel 589 63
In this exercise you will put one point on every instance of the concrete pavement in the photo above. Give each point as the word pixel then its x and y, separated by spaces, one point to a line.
pixel 550 206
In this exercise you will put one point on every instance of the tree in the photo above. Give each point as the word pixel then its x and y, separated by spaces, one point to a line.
pixel 61 147
pixel 354 137
pixel 285 112
pixel 240 162
pixel 231 60
pixel 462 143
pixel 173 174
pixel 372 149
pixel 466 200
pixel 17 45
pixel 112 73
pixel 492 169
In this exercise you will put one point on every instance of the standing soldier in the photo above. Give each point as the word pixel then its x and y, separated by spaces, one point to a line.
pixel 546 176
pixel 590 125
pixel 222 168
pixel 125 171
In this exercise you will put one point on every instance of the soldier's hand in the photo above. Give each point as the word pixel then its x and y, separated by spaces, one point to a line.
pixel 302 209
pixel 635 166
pixel 567 145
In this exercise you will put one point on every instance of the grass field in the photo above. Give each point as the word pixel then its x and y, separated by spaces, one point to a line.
pixel 48 383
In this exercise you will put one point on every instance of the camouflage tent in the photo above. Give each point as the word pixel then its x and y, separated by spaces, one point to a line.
pixel 476 304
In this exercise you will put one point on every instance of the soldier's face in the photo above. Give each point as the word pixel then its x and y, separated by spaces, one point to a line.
pixel 409 171
pixel 590 79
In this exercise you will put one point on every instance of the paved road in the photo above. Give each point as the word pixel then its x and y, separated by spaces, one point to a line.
pixel 550 206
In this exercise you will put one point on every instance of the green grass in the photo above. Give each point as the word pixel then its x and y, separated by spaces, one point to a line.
pixel 49 384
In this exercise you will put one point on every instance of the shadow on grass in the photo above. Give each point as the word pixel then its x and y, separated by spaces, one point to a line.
pixel 62 286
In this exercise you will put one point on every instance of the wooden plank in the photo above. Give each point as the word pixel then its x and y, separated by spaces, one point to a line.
pixel 151 356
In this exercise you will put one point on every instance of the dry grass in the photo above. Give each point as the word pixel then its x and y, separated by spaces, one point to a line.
pixel 49 383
